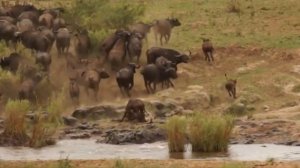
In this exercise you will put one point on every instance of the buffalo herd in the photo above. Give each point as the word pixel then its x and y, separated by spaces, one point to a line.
pixel 38 30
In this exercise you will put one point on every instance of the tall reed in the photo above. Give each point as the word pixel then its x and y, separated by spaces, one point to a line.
pixel 176 132
pixel 210 133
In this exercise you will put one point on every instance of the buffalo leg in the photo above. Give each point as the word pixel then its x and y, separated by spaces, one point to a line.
pixel 206 56
pixel 125 114
pixel 212 57
pixel 168 36
pixel 161 37
pixel 146 85
pixel 234 93
pixel 170 82
pixel 154 87
pixel 127 92
pixel 229 92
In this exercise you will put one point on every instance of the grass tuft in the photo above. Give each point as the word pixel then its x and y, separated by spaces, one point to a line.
pixel 210 133
pixel 56 107
pixel 64 163
pixel 15 123
pixel 120 164
pixel 176 131
pixel 42 131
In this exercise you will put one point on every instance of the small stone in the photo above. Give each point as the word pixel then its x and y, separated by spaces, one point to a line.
pixel 249 141
pixel 84 126
pixel 69 120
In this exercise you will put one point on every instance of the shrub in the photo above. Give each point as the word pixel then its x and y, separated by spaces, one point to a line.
pixel 42 132
pixel 15 124
pixel 176 131
pixel 210 133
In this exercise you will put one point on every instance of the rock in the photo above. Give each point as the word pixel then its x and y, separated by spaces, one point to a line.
pixel 296 144
pixel 237 109
pixel 142 135
pixel 96 132
pixel 296 69
pixel 163 109
pixel 249 141
pixel 290 104
pixel 70 121
pixel 195 99
pixel 250 108
pixel 80 136
pixel 84 126
pixel 165 93
pixel 195 87
pixel 96 112
pixel 289 143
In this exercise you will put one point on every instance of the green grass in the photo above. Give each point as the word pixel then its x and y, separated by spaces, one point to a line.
pixel 210 133
pixel 251 26
pixel 176 132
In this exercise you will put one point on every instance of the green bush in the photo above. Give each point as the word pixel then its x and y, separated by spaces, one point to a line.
pixel 210 133
pixel 176 131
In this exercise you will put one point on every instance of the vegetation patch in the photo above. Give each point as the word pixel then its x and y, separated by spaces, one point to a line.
pixel 15 124
pixel 176 131
pixel 206 132
pixel 210 133
pixel 19 132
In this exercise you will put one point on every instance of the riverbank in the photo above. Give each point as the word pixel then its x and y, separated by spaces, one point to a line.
pixel 148 164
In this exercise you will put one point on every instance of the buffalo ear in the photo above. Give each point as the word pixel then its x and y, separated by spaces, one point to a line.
pixel 137 66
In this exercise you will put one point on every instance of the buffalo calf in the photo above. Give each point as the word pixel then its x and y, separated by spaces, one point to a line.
pixel 231 86
pixel 135 110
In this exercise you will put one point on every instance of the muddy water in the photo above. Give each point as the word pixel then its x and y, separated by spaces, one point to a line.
pixel 88 149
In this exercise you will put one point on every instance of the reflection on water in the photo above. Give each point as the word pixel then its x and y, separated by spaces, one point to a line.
pixel 88 149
